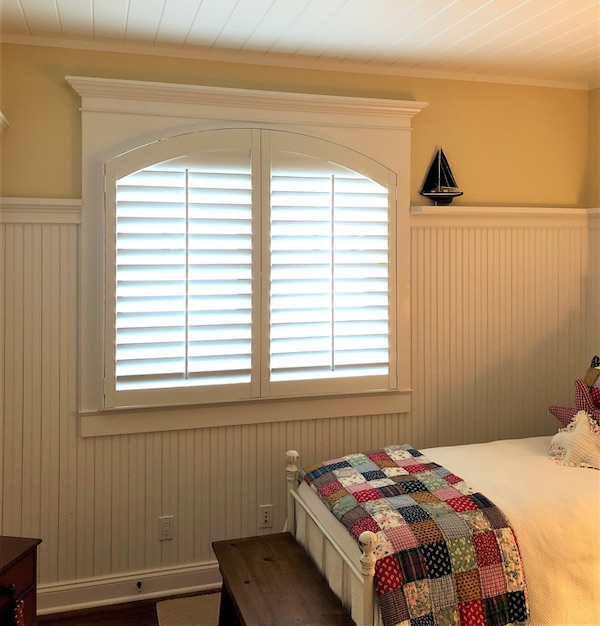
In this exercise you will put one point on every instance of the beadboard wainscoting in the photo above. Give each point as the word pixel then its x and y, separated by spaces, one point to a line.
pixel 593 289
pixel 498 333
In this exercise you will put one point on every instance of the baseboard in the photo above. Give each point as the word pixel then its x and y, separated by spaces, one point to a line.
pixel 103 591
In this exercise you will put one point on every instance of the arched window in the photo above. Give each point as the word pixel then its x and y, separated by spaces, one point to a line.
pixel 246 264
pixel 245 256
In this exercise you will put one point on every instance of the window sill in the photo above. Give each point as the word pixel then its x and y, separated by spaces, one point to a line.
pixel 147 420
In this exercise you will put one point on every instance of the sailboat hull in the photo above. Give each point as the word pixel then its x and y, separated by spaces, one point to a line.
pixel 442 197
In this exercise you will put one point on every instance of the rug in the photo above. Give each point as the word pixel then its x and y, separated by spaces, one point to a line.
pixel 201 610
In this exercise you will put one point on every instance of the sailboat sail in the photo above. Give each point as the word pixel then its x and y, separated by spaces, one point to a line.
pixel 440 185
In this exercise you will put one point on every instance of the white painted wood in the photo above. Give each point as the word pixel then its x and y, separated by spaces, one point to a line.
pixel 592 285
pixel 291 475
pixel 117 589
pixel 367 542
pixel 504 318
pixel 41 19
pixel 211 18
pixel 114 96
pixel 97 424
pixel 544 42
pixel 523 288
pixel 75 19
pixel 143 20
pixel 39 211
pixel 117 114
pixel 13 299
pixel 109 19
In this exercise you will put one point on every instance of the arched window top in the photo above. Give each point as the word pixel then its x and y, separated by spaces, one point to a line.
pixel 248 264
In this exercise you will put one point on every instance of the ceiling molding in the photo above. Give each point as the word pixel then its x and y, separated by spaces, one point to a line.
pixel 296 62
pixel 549 43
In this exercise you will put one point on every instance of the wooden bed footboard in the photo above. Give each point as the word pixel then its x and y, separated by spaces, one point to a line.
pixel 363 571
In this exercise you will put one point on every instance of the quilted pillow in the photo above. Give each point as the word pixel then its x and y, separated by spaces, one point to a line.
pixel 583 402
pixel 578 444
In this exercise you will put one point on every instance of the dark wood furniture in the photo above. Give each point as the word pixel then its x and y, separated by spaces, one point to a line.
pixel 271 580
pixel 18 559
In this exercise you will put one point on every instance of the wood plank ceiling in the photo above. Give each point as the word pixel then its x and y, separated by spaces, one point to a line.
pixel 554 42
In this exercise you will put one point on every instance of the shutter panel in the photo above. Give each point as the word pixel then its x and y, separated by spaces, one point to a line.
pixel 184 273
pixel 329 306
pixel 150 279
pixel 220 276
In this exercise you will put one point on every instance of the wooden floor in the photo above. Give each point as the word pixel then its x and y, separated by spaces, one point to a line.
pixel 140 613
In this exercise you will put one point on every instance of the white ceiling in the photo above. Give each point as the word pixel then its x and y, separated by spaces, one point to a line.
pixel 543 42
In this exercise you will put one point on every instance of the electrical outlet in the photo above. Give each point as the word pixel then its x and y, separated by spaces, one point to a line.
pixel 166 528
pixel 265 516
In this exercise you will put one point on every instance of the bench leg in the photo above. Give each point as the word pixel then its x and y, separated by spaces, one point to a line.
pixel 227 614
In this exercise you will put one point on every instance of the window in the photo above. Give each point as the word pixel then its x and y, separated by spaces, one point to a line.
pixel 132 129
pixel 245 264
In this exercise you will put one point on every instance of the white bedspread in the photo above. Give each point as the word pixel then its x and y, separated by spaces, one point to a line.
pixel 555 511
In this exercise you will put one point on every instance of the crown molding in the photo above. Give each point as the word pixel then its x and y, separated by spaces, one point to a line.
pixel 126 96
pixel 300 62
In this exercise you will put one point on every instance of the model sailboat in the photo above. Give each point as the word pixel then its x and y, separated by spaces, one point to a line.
pixel 439 184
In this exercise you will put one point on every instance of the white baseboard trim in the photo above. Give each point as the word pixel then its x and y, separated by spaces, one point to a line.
pixel 107 590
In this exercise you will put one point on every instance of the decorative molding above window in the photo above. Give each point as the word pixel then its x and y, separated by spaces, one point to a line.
pixel 112 95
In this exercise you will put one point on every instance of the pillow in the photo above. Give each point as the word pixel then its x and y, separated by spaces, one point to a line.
pixel 592 380
pixel 578 444
pixel 583 402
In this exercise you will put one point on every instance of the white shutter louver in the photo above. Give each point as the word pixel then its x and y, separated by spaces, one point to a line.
pixel 329 271
pixel 183 273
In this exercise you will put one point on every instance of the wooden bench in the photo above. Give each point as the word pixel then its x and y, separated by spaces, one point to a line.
pixel 271 581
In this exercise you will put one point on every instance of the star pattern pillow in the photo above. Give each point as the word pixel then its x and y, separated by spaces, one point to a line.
pixel 583 402
pixel 578 444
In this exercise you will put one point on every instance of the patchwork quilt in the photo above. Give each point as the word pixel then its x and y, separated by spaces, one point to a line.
pixel 446 556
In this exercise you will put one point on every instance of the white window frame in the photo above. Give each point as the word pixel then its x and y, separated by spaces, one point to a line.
pixel 118 116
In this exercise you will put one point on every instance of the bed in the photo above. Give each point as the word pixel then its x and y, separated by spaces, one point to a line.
pixel 554 510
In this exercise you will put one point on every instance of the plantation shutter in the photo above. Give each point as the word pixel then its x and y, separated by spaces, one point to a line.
pixel 330 230
pixel 183 268
pixel 248 271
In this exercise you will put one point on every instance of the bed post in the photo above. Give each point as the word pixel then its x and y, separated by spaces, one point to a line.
pixel 367 542
pixel 291 470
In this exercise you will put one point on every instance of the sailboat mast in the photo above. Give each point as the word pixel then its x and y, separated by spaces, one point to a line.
pixel 439 164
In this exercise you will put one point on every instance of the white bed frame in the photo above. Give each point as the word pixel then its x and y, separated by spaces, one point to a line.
pixel 362 612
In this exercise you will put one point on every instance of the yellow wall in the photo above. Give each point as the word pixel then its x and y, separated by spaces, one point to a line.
pixel 507 145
